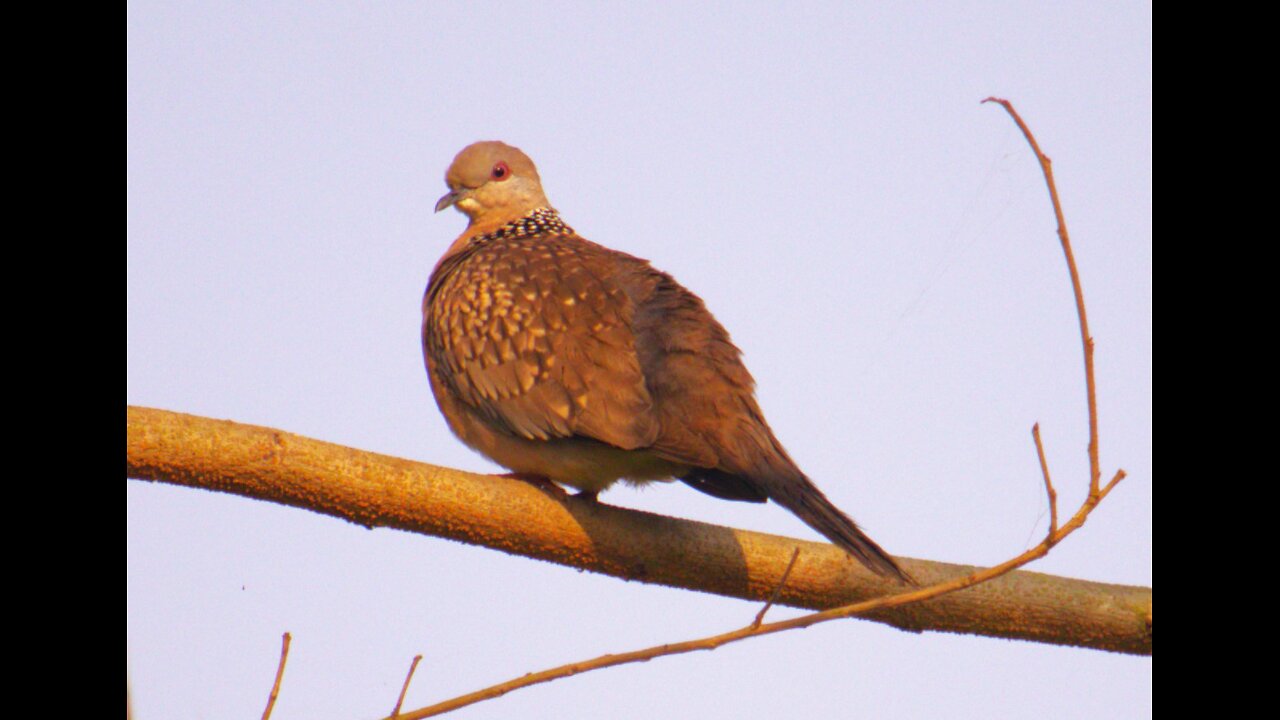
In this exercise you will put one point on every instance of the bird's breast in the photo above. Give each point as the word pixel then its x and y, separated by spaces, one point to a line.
pixel 531 357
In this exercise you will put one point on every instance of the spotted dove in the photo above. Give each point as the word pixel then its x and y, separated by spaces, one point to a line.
pixel 564 360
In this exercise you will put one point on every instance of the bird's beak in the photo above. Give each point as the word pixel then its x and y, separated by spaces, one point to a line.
pixel 449 199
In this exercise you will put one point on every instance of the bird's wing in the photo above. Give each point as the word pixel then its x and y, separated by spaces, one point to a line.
pixel 703 394
pixel 535 336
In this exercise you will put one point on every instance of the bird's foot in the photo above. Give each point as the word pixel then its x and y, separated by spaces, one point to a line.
pixel 539 481
pixel 591 496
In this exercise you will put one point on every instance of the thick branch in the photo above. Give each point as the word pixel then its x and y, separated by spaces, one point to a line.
pixel 381 491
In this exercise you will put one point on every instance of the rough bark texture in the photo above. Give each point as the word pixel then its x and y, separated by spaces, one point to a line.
pixel 509 515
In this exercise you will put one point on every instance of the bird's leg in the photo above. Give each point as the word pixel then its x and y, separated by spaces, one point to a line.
pixel 539 481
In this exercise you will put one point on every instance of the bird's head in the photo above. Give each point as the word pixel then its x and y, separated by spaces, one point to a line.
pixel 493 183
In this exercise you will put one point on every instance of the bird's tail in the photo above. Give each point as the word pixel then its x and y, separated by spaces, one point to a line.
pixel 752 465
pixel 807 502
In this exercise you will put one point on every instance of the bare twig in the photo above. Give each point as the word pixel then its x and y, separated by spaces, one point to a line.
pixel 1054 535
pixel 395 712
pixel 1048 484
pixel 1086 340
pixel 778 590
pixel 275 687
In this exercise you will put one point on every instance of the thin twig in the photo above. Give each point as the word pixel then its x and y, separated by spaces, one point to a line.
pixel 777 590
pixel 405 688
pixel 1086 340
pixel 1120 475
pixel 1051 538
pixel 275 687
pixel 1048 484
pixel 715 641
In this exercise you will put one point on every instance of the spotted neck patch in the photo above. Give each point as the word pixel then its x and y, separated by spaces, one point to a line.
pixel 543 221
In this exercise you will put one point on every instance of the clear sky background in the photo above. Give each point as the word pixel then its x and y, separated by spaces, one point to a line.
pixel 879 244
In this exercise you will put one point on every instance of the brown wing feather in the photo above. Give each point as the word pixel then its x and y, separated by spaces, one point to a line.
pixel 701 389
pixel 534 335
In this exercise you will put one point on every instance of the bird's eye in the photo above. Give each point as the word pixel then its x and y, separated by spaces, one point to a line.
pixel 501 171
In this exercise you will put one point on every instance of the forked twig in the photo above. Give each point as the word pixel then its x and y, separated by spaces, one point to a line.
pixel 1086 340
pixel 275 687
pixel 757 628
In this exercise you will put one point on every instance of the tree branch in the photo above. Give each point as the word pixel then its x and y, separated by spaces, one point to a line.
pixel 381 491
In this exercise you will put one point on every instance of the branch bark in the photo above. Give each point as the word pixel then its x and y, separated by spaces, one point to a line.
pixel 380 491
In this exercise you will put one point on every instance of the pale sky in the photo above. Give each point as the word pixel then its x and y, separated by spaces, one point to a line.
pixel 878 243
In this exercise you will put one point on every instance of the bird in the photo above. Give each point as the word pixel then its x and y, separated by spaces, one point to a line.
pixel 566 361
